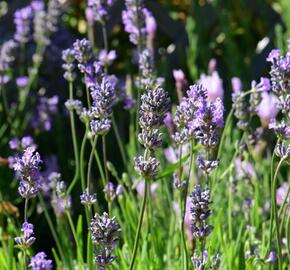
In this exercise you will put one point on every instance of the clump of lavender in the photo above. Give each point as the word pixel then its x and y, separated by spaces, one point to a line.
pixel 46 108
pixel 28 169
pixel 198 118
pixel 54 9
pixel 134 19
pixel 154 105
pixel 100 9
pixel 26 239
pixel 240 105
pixel 88 199
pixel 200 212
pixel 68 66
pixel 105 234
pixel 61 201
pixel 6 59
pixel 22 20
pixel 39 262
pixel 103 96
pixel 202 261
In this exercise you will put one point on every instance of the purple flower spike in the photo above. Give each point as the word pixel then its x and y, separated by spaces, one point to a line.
pixel 39 262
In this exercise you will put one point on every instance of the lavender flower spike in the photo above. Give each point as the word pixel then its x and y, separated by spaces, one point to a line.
pixel 27 239
pixel 39 262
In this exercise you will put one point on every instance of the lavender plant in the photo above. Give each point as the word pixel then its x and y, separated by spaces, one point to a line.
pixel 134 175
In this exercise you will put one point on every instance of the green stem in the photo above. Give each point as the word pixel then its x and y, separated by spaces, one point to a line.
pixel 82 153
pixel 90 162
pixel 52 228
pixel 80 259
pixel 25 209
pixel 74 139
pixel 275 212
pixel 140 222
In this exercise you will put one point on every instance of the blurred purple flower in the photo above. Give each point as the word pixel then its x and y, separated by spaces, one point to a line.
pixel 237 84
pixel 39 262
pixel 281 194
pixel 22 81
pixel 213 84
pixel 267 109
pixel 140 186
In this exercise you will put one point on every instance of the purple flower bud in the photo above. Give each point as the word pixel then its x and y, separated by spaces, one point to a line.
pixel 39 262
pixel 272 258
pixel 267 109
pixel 14 143
pixel 22 82
pixel 27 238
pixel 151 25
pixel 213 84
pixel 281 194
pixel 212 65
pixel 236 84
pixel 273 56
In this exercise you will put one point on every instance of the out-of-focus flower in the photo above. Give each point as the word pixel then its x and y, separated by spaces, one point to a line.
pixel 105 233
pixel 281 194
pixel 212 65
pixel 140 188
pixel 106 58
pixel 22 20
pixel 267 109
pixel 39 262
pixel 151 26
pixel 214 85
pixel 22 81
pixel 244 169
pixel 237 84
pixel 27 238
pixel 272 258
pixel 99 9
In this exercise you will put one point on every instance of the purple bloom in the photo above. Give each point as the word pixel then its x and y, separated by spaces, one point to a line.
pixel 272 258
pixel 267 109
pixel 200 212
pixel 109 191
pixel 45 109
pixel 236 84
pixel 213 84
pixel 140 188
pixel 39 262
pixel 129 103
pixel 273 56
pixel 22 20
pixel 212 65
pixel 106 58
pixel 281 194
pixel 281 129
pixel 151 26
pixel 88 199
pixel 134 18
pixel 22 82
pixel 27 238
pixel 14 143
pixel 263 85
pixel 100 9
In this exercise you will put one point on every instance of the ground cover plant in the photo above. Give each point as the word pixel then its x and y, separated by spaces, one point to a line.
pixel 134 135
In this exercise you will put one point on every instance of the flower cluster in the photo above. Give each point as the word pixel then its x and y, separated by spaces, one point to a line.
pixel 27 238
pixel 23 19
pixel 200 212
pixel 68 66
pixel 39 262
pixel 103 96
pixel 198 118
pixel 202 261
pixel 61 201
pixel 88 199
pixel 6 58
pixel 154 105
pixel 28 169
pixel 100 9
pixel 105 233
pixel 134 19
pixel 46 108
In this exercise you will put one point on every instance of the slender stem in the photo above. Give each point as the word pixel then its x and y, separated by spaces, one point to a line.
pixel 140 222
pixel 51 227
pixel 184 206
pixel 90 162
pixel 275 212
pixel 75 237
pixel 74 139
pixel 105 158
pixel 82 153
pixel 25 209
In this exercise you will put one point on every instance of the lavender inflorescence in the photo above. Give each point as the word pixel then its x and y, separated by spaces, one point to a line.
pixel 105 234
pixel 39 262
pixel 200 212
pixel 100 9
pixel 27 238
